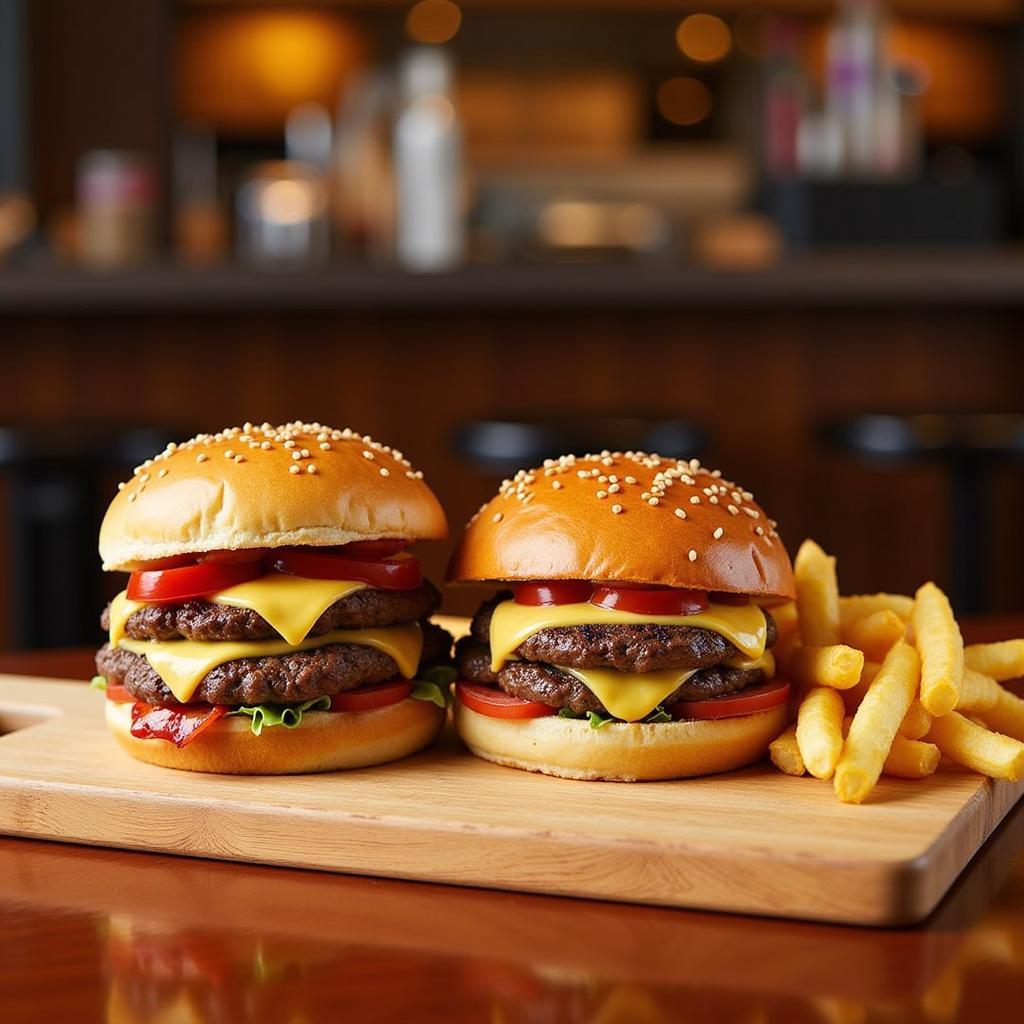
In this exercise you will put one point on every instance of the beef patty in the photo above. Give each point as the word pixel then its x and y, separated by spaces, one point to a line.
pixel 531 680
pixel 282 679
pixel 643 647
pixel 205 621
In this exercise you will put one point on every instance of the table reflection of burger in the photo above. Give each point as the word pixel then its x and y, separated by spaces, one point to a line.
pixel 633 641
pixel 273 620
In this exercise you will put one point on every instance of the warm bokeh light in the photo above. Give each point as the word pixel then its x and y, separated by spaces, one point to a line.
pixel 433 21
pixel 243 71
pixel 703 37
pixel 684 101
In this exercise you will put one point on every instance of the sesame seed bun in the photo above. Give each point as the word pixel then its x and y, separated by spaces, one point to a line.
pixel 245 488
pixel 325 741
pixel 630 518
pixel 620 751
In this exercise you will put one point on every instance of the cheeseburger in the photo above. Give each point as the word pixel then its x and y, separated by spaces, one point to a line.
pixel 273 621
pixel 635 641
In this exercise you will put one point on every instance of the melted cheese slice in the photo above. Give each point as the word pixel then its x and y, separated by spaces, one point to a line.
pixel 291 604
pixel 633 696
pixel 744 626
pixel 181 664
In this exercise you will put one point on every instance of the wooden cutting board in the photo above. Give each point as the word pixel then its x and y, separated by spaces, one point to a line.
pixel 753 841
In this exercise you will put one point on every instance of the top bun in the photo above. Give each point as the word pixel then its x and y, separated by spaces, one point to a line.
pixel 629 518
pixel 267 487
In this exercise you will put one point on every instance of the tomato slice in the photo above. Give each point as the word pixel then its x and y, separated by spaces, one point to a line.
pixel 371 549
pixel 178 725
pixel 228 555
pixel 650 600
pixel 379 695
pixel 746 702
pixel 401 572
pixel 118 693
pixel 548 592
pixel 162 586
pixel 721 597
pixel 495 703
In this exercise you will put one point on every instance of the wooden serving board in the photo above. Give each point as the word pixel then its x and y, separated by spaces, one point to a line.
pixel 753 841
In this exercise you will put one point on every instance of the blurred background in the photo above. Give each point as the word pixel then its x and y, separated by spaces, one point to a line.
pixel 784 237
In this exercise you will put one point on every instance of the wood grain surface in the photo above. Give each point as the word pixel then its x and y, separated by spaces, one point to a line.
pixel 753 841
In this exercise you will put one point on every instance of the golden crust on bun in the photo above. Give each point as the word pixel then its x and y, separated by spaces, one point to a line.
pixel 325 741
pixel 625 517
pixel 265 486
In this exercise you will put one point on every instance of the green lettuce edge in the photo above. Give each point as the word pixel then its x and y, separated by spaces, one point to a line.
pixel 599 721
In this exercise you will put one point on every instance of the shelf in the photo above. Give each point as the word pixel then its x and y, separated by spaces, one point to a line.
pixel 964 278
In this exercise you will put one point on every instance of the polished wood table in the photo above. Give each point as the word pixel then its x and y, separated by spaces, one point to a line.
pixel 97 935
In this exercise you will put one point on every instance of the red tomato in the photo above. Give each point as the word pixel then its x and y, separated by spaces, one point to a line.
pixel 495 703
pixel 227 555
pixel 746 702
pixel 378 695
pixel 170 585
pixel 118 693
pixel 401 572
pixel 720 597
pixel 650 600
pixel 370 550
pixel 178 725
pixel 549 592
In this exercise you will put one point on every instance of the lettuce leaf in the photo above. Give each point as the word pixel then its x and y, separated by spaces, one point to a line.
pixel 98 683
pixel 598 721
pixel 289 715
pixel 433 685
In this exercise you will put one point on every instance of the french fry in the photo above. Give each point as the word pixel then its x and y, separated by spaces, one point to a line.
pixel 855 694
pixel 1001 661
pixel 856 606
pixel 785 753
pixel 916 722
pixel 978 693
pixel 908 759
pixel 911 759
pixel 817 595
pixel 941 648
pixel 819 731
pixel 972 746
pixel 876 723
pixel 1006 715
pixel 838 667
pixel 874 633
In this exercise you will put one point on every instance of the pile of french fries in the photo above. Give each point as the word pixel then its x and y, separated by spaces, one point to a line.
pixel 883 685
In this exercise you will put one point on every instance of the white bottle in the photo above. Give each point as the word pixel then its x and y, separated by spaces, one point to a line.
pixel 429 227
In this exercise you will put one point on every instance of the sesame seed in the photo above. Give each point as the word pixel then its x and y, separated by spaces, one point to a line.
pixel 239 458
pixel 602 494
pixel 733 510
pixel 645 495
pixel 384 471
pixel 752 512
pixel 713 499
pixel 692 555
pixel 296 455
pixel 289 444
pixel 293 468
pixel 265 445
pixel 613 488
pixel 556 485
pixel 695 500
pixel 367 455
pixel 132 496
pixel 497 517
pixel 200 457
pixel 305 453
pixel 759 530
pixel 230 453
pixel 617 509
pixel 325 446
pixel 652 501
pixel 718 533
pixel 630 479
pixel 120 486
pixel 679 512
pixel 311 468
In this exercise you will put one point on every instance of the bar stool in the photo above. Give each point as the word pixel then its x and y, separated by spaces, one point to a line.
pixel 500 447
pixel 970 446
pixel 55 510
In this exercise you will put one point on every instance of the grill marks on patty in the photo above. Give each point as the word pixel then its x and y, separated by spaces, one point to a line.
pixel 205 621
pixel 282 679
pixel 635 648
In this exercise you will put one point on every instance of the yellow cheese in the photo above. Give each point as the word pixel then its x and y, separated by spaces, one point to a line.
pixel 181 664
pixel 291 604
pixel 766 663
pixel 626 695
pixel 744 626
pixel 121 609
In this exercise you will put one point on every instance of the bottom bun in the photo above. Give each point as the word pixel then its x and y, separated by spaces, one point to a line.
pixel 621 751
pixel 325 741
